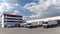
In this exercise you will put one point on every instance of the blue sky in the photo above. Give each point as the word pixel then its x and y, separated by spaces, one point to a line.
pixel 22 3
pixel 31 8
pixel 22 11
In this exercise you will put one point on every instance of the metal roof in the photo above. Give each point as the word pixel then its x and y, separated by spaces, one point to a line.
pixel 45 19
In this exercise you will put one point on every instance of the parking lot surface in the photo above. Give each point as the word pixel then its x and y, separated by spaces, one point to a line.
pixel 41 30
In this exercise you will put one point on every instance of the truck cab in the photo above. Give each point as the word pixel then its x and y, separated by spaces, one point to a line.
pixel 45 24
pixel 31 25
pixel 27 25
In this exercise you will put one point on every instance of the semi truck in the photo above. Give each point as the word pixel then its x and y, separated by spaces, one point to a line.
pixel 50 23
pixel 33 24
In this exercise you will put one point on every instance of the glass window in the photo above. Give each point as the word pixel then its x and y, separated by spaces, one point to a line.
pixel 45 22
pixel 13 18
pixel 28 23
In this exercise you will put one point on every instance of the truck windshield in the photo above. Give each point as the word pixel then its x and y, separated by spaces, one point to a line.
pixel 45 22
pixel 29 24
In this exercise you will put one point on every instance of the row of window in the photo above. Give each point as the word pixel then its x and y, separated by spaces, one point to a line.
pixel 12 15
pixel 13 21
pixel 13 18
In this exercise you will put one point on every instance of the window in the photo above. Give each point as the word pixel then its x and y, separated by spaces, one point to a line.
pixel 11 21
pixel 13 18
pixel 28 23
pixel 45 22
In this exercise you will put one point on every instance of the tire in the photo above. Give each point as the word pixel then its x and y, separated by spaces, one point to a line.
pixel 8 27
pixel 45 26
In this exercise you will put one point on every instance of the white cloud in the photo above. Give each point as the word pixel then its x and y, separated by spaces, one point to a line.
pixel 26 17
pixel 9 6
pixel 10 1
pixel 33 16
pixel 16 12
pixel 44 8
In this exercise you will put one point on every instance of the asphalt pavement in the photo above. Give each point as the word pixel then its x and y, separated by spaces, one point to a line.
pixel 40 30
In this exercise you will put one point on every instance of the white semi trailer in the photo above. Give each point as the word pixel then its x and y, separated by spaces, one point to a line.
pixel 50 23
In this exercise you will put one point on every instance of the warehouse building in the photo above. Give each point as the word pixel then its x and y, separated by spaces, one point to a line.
pixel 46 21
pixel 9 20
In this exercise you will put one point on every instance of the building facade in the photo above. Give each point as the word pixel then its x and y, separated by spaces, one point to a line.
pixel 8 20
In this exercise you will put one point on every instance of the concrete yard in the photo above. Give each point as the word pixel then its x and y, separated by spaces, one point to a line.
pixel 40 30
